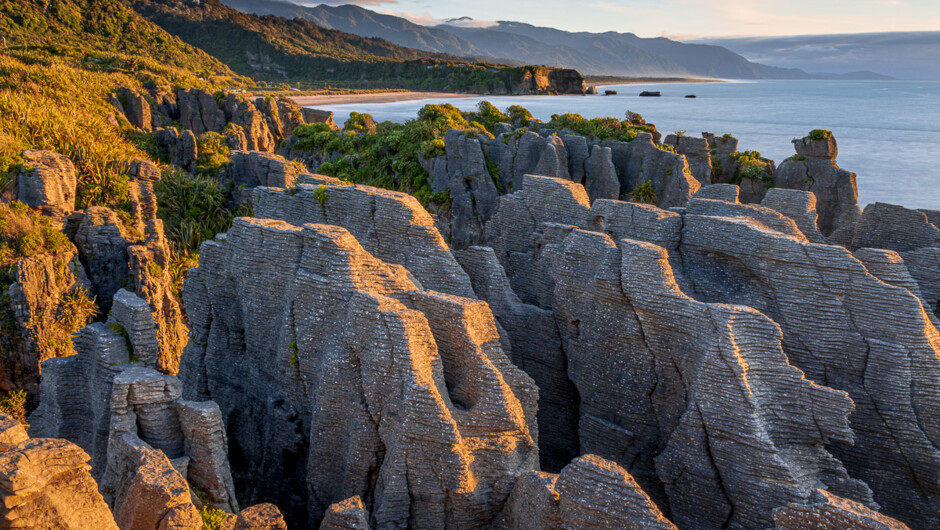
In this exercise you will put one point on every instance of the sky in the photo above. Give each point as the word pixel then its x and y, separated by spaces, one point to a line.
pixel 680 19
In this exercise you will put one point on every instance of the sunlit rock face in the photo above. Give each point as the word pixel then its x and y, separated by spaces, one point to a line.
pixel 338 375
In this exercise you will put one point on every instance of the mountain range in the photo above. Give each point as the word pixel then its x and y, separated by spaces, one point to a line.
pixel 904 55
pixel 610 53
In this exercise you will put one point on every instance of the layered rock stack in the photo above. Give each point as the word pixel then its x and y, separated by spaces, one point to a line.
pixel 350 366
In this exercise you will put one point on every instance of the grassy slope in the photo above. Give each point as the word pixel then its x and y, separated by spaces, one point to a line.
pixel 300 51
pixel 57 67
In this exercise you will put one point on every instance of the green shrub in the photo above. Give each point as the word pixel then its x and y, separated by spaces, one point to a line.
pixel 645 193
pixel 819 134
pixel 294 355
pixel 25 233
pixel 320 194
pixel 214 154
pixel 212 518
pixel 14 405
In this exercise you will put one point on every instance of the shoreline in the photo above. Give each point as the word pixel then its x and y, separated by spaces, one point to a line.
pixel 376 97
pixel 400 96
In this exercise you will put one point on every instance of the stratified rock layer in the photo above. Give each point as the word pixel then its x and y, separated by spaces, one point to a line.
pixel 318 352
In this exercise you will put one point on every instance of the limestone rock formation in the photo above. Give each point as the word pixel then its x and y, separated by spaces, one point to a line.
pixel 199 111
pixel 696 152
pixel 240 110
pixel 263 516
pixel 799 206
pixel 116 258
pixel 47 181
pixel 349 514
pixel 44 483
pixel 669 172
pixel 601 181
pixel 386 391
pixel 721 149
pixel 392 226
pixel 896 228
pixel 814 169
pixel 314 116
pixel 253 168
pixel 155 496
pixel 847 329
pixel 137 109
pixel 597 493
pixel 829 512
pixel 590 492
pixel 471 188
pixel 38 319
pixel 535 348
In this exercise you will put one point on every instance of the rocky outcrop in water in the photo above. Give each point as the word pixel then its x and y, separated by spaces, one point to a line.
pixel 47 181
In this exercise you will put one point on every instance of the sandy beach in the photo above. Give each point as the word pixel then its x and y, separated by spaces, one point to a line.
pixel 376 97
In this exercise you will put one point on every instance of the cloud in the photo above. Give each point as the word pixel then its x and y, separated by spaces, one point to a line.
pixel 427 19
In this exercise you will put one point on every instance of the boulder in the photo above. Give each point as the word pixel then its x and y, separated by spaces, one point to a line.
pixel 156 497
pixel 137 110
pixel 47 181
pixel 313 116
pixel 44 483
pixel 254 168
pixel 346 515
pixel 144 170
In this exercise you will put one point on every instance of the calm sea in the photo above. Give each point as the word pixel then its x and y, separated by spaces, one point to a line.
pixel 888 131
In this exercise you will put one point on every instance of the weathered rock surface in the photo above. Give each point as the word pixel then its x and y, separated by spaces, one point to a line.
pixel 240 110
pixel 38 322
pixel 350 514
pixel 847 329
pixel 614 307
pixel 392 226
pixel 75 393
pixel 896 228
pixel 597 493
pixel 602 181
pixel 829 512
pixel 137 110
pixel 413 404
pixel 536 349
pixel 47 181
pixel 44 483
pixel 669 172
pixel 590 492
pixel 696 152
pixel 471 188
pixel 319 116
pixel 263 516
pixel 814 169
pixel 155 496
pixel 799 206
pixel 117 259
pixel 253 168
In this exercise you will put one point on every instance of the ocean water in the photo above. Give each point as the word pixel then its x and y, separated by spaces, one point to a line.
pixel 888 131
